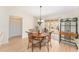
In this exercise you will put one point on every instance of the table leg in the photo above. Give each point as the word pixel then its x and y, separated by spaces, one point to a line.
pixel 40 44
pixel 48 46
pixel 32 46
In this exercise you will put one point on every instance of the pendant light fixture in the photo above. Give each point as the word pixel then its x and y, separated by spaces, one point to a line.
pixel 40 18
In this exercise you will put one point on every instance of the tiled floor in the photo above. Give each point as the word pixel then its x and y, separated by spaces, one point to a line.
pixel 18 44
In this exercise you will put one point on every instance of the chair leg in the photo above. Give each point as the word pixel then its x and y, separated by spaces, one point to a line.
pixel 48 46
pixel 32 46
pixel 40 45
pixel 28 45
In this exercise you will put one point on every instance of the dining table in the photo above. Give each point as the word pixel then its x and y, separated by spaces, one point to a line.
pixel 39 36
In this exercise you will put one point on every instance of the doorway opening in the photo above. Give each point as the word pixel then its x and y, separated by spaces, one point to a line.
pixel 15 26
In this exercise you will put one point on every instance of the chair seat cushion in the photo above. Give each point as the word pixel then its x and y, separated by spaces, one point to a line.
pixel 35 41
pixel 44 42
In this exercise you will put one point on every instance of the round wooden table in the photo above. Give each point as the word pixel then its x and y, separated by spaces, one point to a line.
pixel 39 37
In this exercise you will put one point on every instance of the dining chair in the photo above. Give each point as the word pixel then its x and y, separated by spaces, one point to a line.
pixel 33 41
pixel 45 42
pixel 49 37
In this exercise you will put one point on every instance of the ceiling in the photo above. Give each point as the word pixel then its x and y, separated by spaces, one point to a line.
pixel 47 10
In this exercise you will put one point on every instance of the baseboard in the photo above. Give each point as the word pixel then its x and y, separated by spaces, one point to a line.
pixel 24 37
pixel 5 42
pixel 15 36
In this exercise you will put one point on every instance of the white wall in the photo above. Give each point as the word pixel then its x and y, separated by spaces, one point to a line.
pixel 28 23
pixel 4 25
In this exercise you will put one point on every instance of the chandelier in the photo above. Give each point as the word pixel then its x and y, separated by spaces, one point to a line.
pixel 40 21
